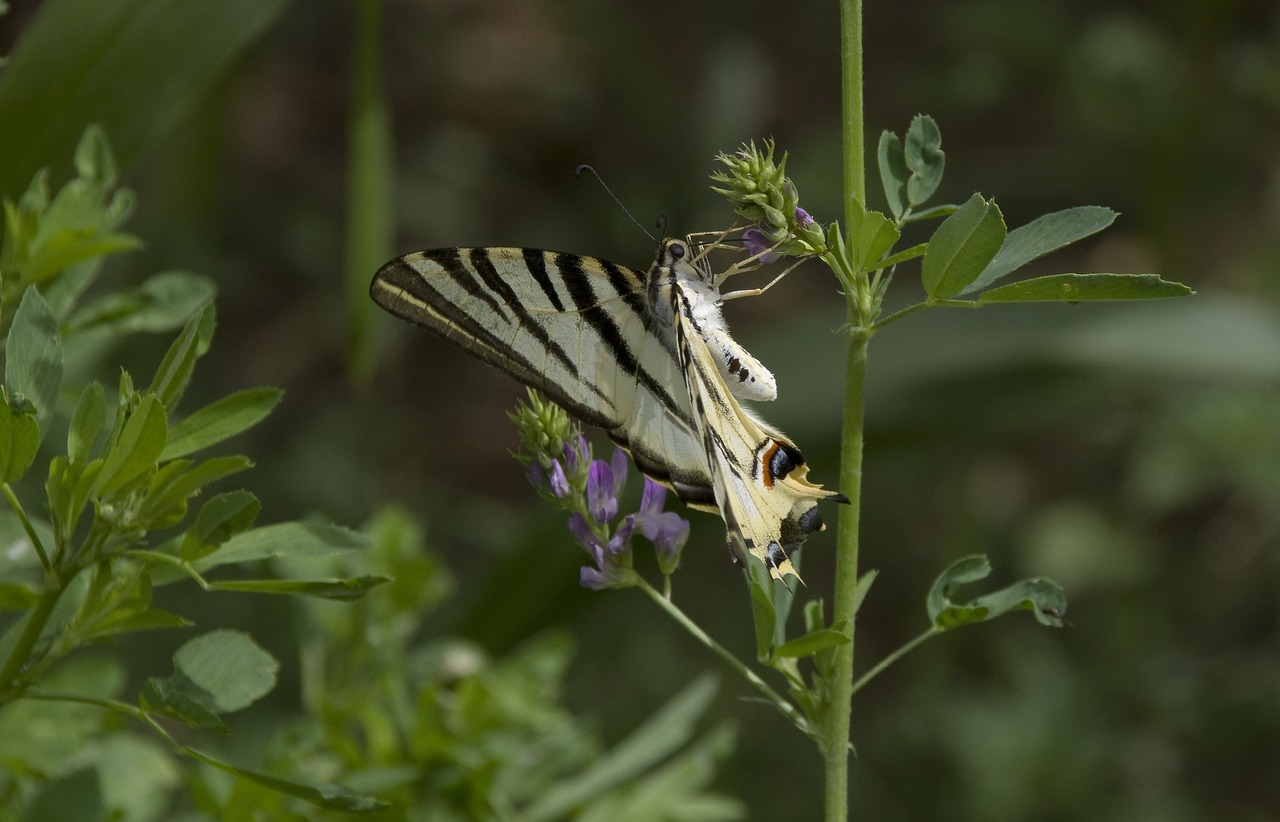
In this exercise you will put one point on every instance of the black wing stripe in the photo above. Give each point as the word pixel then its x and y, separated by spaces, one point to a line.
pixel 450 261
pixel 431 310
pixel 536 261
pixel 588 304
pixel 484 266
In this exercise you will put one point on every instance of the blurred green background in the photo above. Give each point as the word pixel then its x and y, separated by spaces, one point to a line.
pixel 1130 452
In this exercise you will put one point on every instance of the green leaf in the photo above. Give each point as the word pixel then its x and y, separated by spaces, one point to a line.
pixel 150 619
pixel 87 422
pixel 666 731
pixel 1041 236
pixel 221 518
pixel 228 668
pixel 175 482
pixel 137 448
pixel 220 420
pixel 763 615
pixel 814 641
pixel 932 213
pixel 286 539
pixel 94 160
pixel 171 378
pixel 1072 288
pixel 923 154
pixel 172 697
pixel 327 795
pixel 348 589
pixel 17 596
pixel 873 236
pixel 19 440
pixel 1044 598
pixel 861 588
pixel 961 247
pixel 893 171
pixel 162 303
pixel 136 66
pixel 901 257
pixel 33 357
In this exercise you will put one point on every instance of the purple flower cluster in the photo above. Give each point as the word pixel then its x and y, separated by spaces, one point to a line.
pixel 590 490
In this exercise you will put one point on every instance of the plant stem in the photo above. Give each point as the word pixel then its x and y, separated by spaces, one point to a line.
pixel 835 733
pixel 789 710
pixel 26 524
pixel 21 652
pixel 891 658
pixel 855 183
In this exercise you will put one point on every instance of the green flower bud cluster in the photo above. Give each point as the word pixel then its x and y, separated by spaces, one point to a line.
pixel 544 429
pixel 762 193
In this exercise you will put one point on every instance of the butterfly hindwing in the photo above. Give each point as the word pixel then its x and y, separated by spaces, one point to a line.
pixel 759 475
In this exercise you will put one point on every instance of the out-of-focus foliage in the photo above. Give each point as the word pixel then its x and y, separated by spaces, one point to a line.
pixel 1146 489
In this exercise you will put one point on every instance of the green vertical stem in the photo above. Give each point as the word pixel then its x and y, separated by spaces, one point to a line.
pixel 855 183
pixel 838 714
pixel 370 207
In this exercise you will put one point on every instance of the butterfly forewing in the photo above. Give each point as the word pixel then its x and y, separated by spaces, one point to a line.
pixel 576 328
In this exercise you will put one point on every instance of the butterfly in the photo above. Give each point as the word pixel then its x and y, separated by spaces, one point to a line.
pixel 646 356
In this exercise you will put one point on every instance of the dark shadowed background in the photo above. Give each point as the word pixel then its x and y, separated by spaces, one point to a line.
pixel 1130 452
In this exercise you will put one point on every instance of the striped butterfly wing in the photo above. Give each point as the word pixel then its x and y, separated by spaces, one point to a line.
pixel 758 474
pixel 579 329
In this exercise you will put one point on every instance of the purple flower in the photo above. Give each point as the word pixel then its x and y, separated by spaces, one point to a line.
pixel 576 452
pixel 537 476
pixel 604 484
pixel 559 482
pixel 757 242
pixel 667 530
pixel 802 217
pixel 612 559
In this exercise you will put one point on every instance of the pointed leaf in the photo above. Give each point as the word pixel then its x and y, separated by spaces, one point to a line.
pixel 171 486
pixel 220 518
pixel 33 356
pixel 179 361
pixel 136 450
pixel 1072 288
pixel 924 156
pixel 348 589
pixel 220 420
pixel 961 247
pixel 87 422
pixel 1041 236
pixel 813 642
pixel 901 257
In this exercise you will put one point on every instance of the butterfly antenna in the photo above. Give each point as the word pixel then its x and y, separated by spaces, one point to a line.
pixel 662 221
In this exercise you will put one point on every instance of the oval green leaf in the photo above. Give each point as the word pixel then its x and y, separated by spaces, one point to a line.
pixel 962 247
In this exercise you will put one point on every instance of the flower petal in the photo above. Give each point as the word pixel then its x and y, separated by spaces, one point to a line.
pixel 602 502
